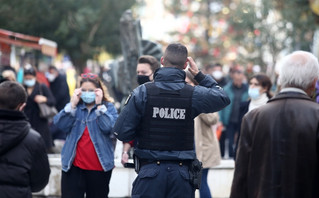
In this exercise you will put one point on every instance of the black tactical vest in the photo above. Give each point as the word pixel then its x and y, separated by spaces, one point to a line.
pixel 167 123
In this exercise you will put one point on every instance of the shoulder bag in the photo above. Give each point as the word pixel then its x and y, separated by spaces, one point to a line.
pixel 45 110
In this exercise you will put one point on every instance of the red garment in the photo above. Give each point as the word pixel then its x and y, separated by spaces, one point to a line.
pixel 131 143
pixel 86 157
pixel 42 79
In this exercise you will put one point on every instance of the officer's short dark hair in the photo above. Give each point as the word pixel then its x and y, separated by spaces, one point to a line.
pixel 12 95
pixel 152 61
pixel 175 55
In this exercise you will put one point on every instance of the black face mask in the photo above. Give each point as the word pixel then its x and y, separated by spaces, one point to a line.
pixel 141 79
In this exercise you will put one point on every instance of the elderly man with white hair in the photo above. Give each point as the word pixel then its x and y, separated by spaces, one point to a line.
pixel 279 145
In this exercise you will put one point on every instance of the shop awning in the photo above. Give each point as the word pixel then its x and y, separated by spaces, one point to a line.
pixel 46 46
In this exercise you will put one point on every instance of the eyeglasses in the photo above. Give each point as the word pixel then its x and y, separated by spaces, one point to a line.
pixel 89 75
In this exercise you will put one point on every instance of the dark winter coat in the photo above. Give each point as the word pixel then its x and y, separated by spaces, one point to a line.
pixel 32 111
pixel 60 90
pixel 24 165
pixel 278 149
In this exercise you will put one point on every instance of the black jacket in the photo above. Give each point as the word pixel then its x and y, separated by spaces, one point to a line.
pixel 32 112
pixel 243 109
pixel 60 90
pixel 24 165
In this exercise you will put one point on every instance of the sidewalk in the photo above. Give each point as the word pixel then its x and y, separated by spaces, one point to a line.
pixel 219 178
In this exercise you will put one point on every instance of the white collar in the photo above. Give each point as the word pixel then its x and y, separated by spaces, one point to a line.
pixel 263 99
pixel 293 89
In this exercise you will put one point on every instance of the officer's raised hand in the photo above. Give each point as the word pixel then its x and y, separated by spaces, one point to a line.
pixel 192 66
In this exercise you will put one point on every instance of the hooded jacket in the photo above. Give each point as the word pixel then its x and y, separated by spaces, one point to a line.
pixel 24 165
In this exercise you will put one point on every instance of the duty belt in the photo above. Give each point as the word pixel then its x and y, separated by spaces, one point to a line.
pixel 158 162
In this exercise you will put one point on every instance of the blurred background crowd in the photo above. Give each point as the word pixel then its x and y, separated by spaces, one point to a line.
pixel 231 40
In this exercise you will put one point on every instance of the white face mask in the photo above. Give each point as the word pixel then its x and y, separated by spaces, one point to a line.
pixel 50 77
pixel 254 93
pixel 217 75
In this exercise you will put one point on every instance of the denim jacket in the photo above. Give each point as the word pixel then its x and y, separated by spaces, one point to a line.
pixel 99 123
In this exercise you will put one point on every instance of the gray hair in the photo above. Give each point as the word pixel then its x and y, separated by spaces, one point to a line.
pixel 299 69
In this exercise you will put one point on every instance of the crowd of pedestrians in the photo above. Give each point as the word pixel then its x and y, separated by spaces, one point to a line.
pixel 169 124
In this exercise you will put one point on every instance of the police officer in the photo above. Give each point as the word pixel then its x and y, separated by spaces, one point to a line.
pixel 159 115
pixel 146 66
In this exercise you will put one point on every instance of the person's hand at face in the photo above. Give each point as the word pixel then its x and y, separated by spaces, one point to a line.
pixel 98 95
pixel 76 97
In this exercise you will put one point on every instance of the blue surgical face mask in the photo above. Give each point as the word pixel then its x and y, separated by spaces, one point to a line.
pixel 29 83
pixel 254 93
pixel 88 97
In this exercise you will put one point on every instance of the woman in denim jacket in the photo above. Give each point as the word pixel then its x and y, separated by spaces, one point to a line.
pixel 88 152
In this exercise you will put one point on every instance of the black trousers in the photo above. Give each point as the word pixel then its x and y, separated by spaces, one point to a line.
pixel 77 182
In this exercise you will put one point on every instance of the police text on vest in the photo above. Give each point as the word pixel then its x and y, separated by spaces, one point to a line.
pixel 169 113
